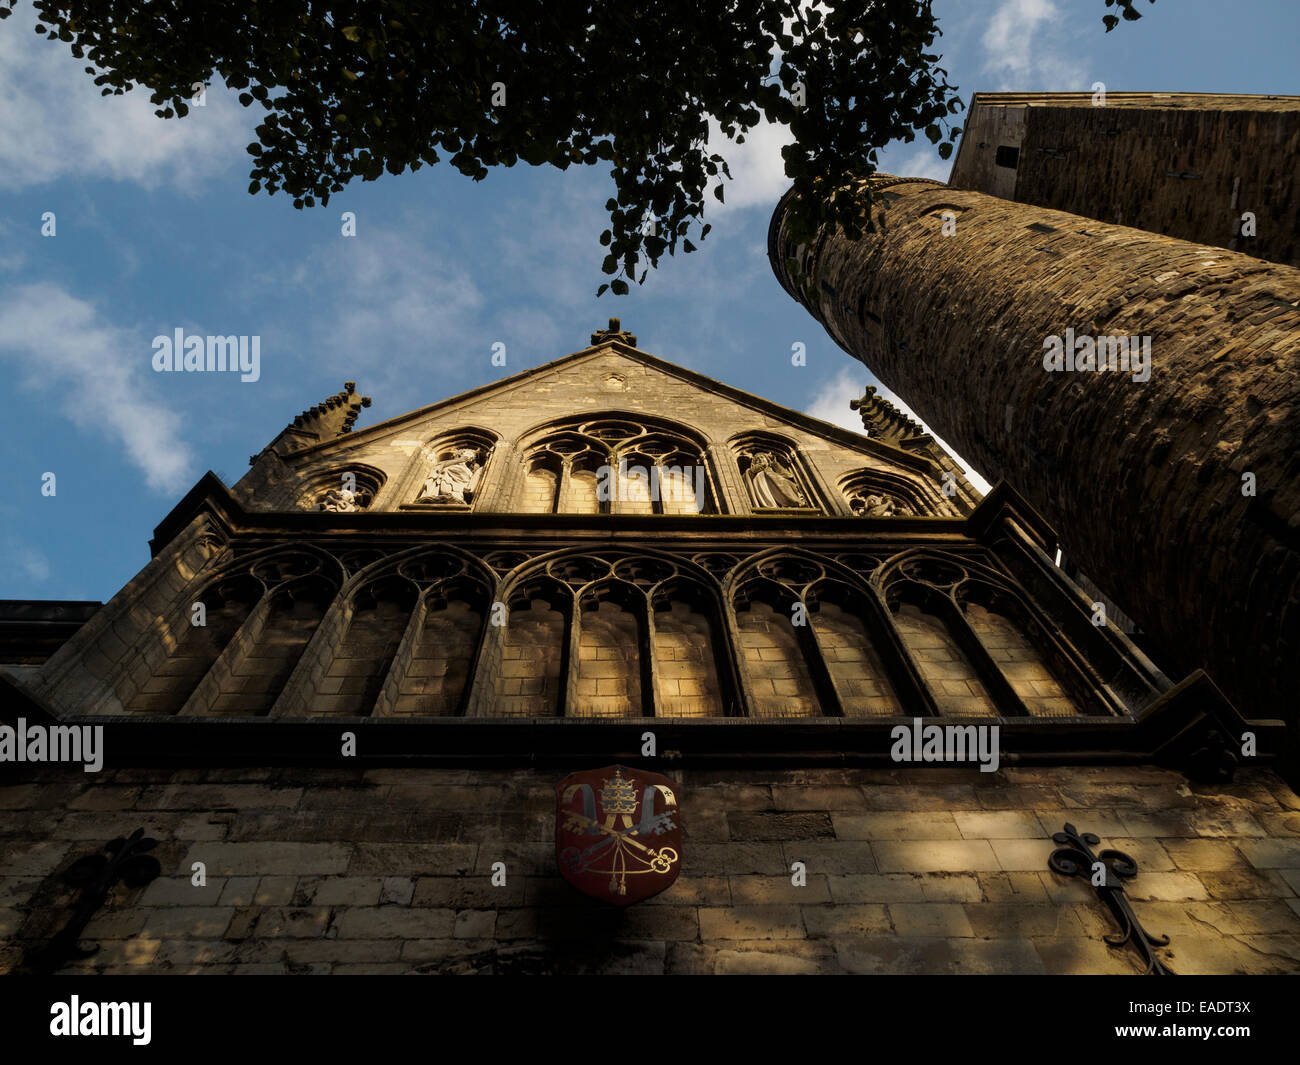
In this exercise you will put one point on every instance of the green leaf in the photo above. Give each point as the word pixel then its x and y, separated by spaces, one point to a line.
pixel 352 33
pixel 619 287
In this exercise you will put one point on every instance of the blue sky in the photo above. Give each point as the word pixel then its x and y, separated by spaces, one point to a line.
pixel 156 231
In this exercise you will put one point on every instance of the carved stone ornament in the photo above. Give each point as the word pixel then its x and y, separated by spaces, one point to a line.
pixel 879 506
pixel 452 480
pixel 342 501
pixel 772 483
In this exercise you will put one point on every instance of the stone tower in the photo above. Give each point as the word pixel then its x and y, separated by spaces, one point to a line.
pixel 411 631
pixel 1174 483
pixel 1214 169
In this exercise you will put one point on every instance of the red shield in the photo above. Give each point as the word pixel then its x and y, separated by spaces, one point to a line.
pixel 618 833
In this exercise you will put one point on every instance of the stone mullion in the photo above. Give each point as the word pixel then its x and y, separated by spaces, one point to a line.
pixel 1000 691
pixel 569 666
pixel 504 484
pixel 651 695
pixel 820 493
pixel 909 682
pixel 563 486
pixel 486 664
pixel 386 700
pixel 204 696
pixel 814 654
pixel 295 697
pixel 735 496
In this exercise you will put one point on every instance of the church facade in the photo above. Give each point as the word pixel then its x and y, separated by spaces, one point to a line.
pixel 342 692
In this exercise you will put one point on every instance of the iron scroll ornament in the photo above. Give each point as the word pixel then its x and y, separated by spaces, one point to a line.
pixel 1076 858
pixel 122 860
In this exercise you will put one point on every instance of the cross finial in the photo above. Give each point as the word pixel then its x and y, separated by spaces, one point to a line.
pixel 614 332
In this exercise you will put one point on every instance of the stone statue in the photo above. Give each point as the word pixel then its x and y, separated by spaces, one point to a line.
pixel 880 506
pixel 772 484
pixel 453 480
pixel 341 501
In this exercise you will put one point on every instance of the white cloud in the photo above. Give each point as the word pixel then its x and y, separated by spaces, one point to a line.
pixel 55 123
pixel 381 303
pixel 1027 48
pixel 65 350
pixel 831 404
pixel 34 564
pixel 922 162
pixel 757 169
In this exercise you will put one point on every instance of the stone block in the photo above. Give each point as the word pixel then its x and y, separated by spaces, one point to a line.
pixel 751 922
pixel 936 856
pixel 929 919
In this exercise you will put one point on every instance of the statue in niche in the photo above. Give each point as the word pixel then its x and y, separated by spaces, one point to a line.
pixel 453 480
pixel 342 501
pixel 880 506
pixel 772 483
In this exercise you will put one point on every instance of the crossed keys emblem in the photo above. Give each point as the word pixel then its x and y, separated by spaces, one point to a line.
pixel 634 834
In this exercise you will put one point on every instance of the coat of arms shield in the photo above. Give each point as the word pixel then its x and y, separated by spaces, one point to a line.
pixel 618 833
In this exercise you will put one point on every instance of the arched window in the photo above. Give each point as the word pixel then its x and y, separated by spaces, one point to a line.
pixel 854 650
pixel 951 678
pixel 527 674
pixel 359 664
pixel 611 635
pixel 257 677
pixel 874 493
pixel 542 484
pixel 1013 642
pixel 773 659
pixel 688 665
pixel 342 490
pixel 431 673
pixel 196 648
pixel 616 464
pixel 608 681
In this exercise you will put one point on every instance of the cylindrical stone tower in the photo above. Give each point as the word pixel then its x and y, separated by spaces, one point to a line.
pixel 1174 486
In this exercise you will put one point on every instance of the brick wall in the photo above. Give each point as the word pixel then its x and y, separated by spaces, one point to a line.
pixel 389 870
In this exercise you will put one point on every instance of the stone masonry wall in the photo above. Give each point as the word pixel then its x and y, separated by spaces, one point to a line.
pixel 1186 165
pixel 389 870
pixel 1142 479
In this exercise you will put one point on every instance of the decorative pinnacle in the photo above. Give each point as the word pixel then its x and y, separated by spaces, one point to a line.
pixel 614 332
pixel 883 421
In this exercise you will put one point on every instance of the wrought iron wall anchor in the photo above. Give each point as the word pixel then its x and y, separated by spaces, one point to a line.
pixel 126 860
pixel 1107 872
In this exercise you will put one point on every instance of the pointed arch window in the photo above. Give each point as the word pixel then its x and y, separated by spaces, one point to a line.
pixel 616 465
